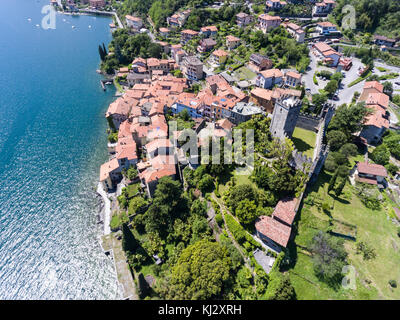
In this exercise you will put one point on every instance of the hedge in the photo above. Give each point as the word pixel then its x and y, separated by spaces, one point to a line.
pixel 240 235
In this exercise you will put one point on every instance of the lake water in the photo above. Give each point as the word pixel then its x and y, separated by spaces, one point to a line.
pixel 52 142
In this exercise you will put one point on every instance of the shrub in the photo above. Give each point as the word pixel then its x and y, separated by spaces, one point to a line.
pixel 325 207
pixel 367 251
pixel 393 283
pixel 398 231
pixel 219 219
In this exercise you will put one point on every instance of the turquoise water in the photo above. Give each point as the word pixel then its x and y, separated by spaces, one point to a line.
pixel 52 141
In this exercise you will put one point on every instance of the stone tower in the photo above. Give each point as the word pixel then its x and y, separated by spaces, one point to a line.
pixel 284 117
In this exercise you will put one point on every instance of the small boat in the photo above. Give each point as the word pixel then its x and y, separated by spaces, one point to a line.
pixel 90 26
pixel 37 26
pixel 73 27
pixel 29 19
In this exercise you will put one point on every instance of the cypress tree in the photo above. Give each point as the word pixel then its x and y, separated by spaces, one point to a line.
pixel 104 50
pixel 332 181
pixel 101 53
pixel 339 189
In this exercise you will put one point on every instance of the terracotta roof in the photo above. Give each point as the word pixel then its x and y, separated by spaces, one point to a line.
pixel 225 124
pixel 164 30
pixel 107 168
pixel 374 85
pixel 209 28
pixel 262 93
pixel 372 169
pixel 293 74
pixel 377 118
pixel 232 38
pixel 267 17
pixel 367 180
pixel 285 210
pixel 158 143
pixel 272 73
pixel 133 18
pixel 220 53
pixel 191 32
pixel 273 229
pixel 378 98
pixel 326 24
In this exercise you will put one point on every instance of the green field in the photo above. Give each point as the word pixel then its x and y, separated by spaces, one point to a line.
pixel 304 140
pixel 245 73
pixel 373 227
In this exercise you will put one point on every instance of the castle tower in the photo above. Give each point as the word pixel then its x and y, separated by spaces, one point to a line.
pixel 284 117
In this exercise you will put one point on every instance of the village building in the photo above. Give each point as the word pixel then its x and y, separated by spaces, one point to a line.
pixel 192 68
pixel 232 42
pixel 258 62
pixel 210 31
pixel 295 31
pixel 164 32
pixel 384 41
pixel 326 54
pixel 377 122
pixel 206 45
pixel 275 5
pixel 371 173
pixel 110 173
pixel 269 78
pixel 178 19
pixel 326 28
pixel 97 4
pixel 292 79
pixel 267 22
pixel 243 19
pixel 244 111
pixel 134 23
pixel 187 35
pixel 219 57
pixel 323 8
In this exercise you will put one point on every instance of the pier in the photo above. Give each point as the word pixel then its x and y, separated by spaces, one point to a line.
pixel 103 13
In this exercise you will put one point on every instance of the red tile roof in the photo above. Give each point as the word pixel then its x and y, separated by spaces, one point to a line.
pixel 373 84
pixel 285 210
pixel 273 229
pixel 372 169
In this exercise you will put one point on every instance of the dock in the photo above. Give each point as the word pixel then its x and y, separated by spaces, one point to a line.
pixel 112 247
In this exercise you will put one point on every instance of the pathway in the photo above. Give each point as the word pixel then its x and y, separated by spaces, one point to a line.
pixel 245 258
pixel 112 244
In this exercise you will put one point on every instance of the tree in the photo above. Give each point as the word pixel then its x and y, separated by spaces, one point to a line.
pixel 340 188
pixel 129 242
pixel 349 149
pixel 136 205
pixel 280 288
pixel 332 182
pixel 101 53
pixel 348 119
pixel 200 272
pixel 331 87
pixel 381 154
pixel 328 256
pixel 388 88
pixel 246 212
pixel 336 139
pixel 239 193
pixel 199 208
pixel 206 183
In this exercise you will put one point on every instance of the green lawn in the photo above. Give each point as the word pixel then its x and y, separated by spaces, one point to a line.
pixel 373 227
pixel 245 73
pixel 304 140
